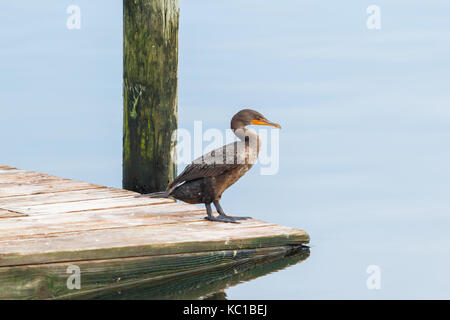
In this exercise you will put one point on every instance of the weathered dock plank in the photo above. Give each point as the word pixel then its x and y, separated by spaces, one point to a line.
pixel 48 223
pixel 204 283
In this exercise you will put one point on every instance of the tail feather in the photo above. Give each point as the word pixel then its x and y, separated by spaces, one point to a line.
pixel 161 194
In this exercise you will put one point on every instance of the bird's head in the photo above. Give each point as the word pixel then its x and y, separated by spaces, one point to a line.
pixel 248 117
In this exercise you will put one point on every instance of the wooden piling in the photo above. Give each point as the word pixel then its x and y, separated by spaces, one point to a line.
pixel 150 65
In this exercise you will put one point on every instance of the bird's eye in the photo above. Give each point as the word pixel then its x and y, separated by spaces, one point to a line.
pixel 258 118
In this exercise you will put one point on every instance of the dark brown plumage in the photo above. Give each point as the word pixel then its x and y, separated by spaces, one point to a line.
pixel 206 178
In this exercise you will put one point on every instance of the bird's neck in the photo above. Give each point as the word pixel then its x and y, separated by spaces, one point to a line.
pixel 249 136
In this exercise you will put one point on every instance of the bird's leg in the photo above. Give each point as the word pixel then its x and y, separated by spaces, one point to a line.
pixel 223 214
pixel 219 218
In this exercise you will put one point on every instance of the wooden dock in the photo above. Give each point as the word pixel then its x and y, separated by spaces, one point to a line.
pixel 117 240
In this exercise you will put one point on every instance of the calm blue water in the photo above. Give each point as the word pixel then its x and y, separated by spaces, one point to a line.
pixel 364 156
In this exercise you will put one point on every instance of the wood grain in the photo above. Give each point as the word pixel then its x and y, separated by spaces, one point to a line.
pixel 47 222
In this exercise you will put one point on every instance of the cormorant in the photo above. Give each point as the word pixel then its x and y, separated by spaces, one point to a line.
pixel 207 177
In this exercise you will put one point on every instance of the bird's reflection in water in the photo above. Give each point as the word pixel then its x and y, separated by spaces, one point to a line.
pixel 207 284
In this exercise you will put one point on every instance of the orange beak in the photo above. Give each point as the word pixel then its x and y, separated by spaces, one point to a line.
pixel 265 122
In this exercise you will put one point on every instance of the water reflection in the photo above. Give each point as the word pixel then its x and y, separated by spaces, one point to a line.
pixel 208 284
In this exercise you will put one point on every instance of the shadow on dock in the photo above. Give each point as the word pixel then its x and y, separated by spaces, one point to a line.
pixel 203 284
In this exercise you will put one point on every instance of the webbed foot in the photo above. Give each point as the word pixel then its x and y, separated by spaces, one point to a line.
pixel 237 218
pixel 221 219
pixel 223 214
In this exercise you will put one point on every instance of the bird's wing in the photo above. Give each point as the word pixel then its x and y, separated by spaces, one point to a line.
pixel 195 171
pixel 213 164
